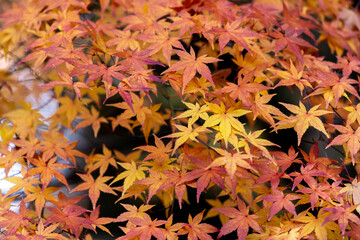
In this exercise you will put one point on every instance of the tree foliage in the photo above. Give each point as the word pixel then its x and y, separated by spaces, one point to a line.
pixel 199 84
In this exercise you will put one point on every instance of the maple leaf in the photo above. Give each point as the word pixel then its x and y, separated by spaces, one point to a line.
pixel 244 88
pixel 94 186
pixel 315 190
pixel 133 212
pixel 292 76
pixel 347 64
pixel 291 40
pixel 272 175
pixel 280 201
pixel 177 180
pixel 342 214
pixel 332 87
pixel 232 161
pixel 102 161
pixel 155 181
pixel 260 108
pixel 92 119
pixel 206 174
pixel 54 142
pixel 25 120
pixel 22 182
pixel 196 230
pixel 307 174
pixel 190 64
pixel 226 118
pixel 232 31
pixel 303 119
pixel 136 60
pixel 162 40
pixel 171 229
pixel 185 134
pixel 352 191
pixel 131 174
pixel 159 152
pixel 194 113
pixel 354 114
pixel 47 168
pixel 9 158
pixel 27 147
pixel 349 137
pixel 294 20
pixel 240 220
pixel 99 222
pixel 12 220
pixel 40 196
pixel 315 224
pixel 67 81
pixel 43 232
pixel 254 140
pixel 70 218
pixel 284 160
pixel 145 228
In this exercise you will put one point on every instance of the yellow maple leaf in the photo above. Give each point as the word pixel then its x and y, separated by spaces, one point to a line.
pixel 226 119
pixel 303 119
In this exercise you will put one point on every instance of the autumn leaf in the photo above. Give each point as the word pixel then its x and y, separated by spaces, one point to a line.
pixel 280 200
pixel 171 229
pixel 40 196
pixel 155 181
pixel 12 220
pixel 185 134
pixel 226 119
pixel 131 174
pixel 245 87
pixel 315 191
pixel 315 224
pixel 102 161
pixel 196 230
pixel 48 232
pixel 159 152
pixel 303 119
pixel 348 137
pixel 133 212
pixel 70 218
pixel 342 214
pixel 206 174
pixel 99 221
pixel 190 64
pixel 291 40
pixel 91 118
pixel 145 228
pixel 260 107
pixel 232 161
pixel 352 191
pixel 48 168
pixel 196 111
pixel 95 186
pixel 333 88
pixel 67 81
pixel 240 220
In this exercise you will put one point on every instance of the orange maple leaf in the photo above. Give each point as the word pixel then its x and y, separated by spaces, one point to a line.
pixel 190 64
pixel 349 137
pixel 196 230
pixel 48 168
pixel 240 220
pixel 94 187
pixel 92 119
